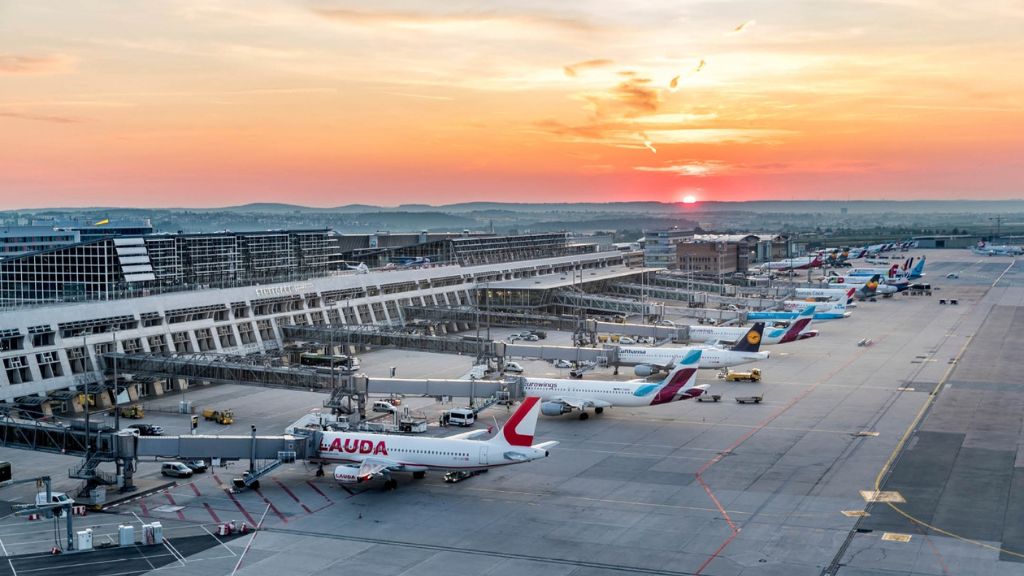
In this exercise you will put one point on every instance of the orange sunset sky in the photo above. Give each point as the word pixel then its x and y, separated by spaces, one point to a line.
pixel 323 103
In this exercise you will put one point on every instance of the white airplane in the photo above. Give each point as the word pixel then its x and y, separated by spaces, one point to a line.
pixel 365 456
pixel 836 294
pixel 984 249
pixel 794 263
pixel 797 305
pixel 563 396
pixel 647 361
pixel 865 287
pixel 795 331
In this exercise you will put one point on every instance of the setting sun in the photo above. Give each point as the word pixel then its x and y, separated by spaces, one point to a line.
pixel 689 199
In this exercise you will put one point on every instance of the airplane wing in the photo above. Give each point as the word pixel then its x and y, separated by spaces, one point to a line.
pixel 468 435
pixel 372 467
pixel 582 403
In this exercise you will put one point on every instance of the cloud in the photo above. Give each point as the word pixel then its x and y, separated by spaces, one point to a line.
pixel 41 117
pixel 571 69
pixel 697 168
pixel 476 21
pixel 12 64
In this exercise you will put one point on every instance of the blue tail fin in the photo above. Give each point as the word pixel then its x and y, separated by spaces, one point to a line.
pixel 751 341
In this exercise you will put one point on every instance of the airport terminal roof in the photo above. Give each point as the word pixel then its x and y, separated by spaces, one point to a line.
pixel 552 281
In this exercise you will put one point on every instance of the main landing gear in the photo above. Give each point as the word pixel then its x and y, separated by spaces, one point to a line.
pixel 584 415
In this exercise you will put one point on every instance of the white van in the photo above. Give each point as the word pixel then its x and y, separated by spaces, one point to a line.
pixel 461 417
pixel 55 498
pixel 382 406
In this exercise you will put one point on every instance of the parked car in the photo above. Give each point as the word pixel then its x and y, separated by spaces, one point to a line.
pixel 532 338
pixel 514 337
pixel 383 406
pixel 513 367
pixel 626 340
pixel 147 429
pixel 198 465
pixel 563 364
pixel 176 470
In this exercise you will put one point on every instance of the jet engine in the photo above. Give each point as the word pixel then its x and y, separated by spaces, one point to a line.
pixel 554 408
pixel 347 474
pixel 643 370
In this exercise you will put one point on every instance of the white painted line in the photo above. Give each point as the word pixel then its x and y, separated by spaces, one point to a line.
pixel 219 541
pixel 8 556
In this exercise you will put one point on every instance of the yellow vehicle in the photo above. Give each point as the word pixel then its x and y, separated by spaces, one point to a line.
pixel 134 412
pixel 753 376
pixel 602 338
pixel 614 338
pixel 219 416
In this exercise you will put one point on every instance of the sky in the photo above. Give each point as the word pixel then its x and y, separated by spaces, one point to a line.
pixel 326 103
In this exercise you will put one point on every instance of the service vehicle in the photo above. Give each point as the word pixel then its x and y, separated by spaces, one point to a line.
pixel 754 375
pixel 135 412
pixel 513 367
pixel 461 416
pixel 383 406
pixel 750 399
pixel 219 416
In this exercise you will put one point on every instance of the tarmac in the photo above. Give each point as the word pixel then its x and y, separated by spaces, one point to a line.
pixel 928 417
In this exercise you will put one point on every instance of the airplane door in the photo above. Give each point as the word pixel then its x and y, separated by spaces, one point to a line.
pixel 483 454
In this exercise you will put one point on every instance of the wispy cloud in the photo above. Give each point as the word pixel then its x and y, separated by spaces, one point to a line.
pixel 572 69
pixel 480 21
pixel 12 64
pixel 698 168
pixel 41 117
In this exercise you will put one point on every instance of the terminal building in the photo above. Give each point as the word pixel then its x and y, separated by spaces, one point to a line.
pixel 229 293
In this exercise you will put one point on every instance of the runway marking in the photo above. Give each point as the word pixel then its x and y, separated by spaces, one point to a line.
pixel 9 562
pixel 272 507
pixel 181 515
pixel 244 512
pixel 292 494
pixel 700 473
pixel 895 537
pixel 913 426
pixel 219 541
pixel 212 513
pixel 194 488
pixel 318 491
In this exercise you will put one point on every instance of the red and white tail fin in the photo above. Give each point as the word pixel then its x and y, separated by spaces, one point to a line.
pixel 520 427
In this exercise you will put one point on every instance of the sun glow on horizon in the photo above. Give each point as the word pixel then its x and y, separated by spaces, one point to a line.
pixel 689 199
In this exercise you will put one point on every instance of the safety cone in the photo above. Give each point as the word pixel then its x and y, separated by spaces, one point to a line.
pixel 244 529
pixel 33 516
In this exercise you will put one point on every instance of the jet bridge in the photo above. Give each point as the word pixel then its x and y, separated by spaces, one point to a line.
pixel 397 337
pixel 691 296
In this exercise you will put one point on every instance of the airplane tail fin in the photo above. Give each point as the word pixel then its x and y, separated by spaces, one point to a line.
pixel 520 427
pixel 681 382
pixel 751 341
pixel 872 285
pixel 918 270
pixel 798 325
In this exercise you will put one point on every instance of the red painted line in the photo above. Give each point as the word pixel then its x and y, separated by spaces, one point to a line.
pixel 242 510
pixel 194 489
pixel 142 504
pixel 318 491
pixel 294 497
pixel 716 552
pixel 287 491
pixel 217 479
pixel 181 515
pixel 212 513
pixel 272 507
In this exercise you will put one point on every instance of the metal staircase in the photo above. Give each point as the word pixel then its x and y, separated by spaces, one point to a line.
pixel 252 479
